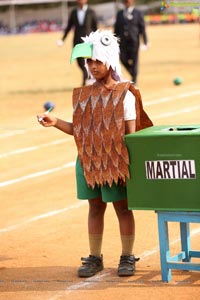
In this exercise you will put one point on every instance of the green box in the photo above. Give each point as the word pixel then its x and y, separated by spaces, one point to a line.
pixel 164 168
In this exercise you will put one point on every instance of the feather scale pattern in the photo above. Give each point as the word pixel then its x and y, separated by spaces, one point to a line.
pixel 99 128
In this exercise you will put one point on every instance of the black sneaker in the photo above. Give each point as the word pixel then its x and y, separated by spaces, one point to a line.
pixel 127 265
pixel 90 266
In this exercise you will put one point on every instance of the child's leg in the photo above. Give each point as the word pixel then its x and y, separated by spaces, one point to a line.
pixel 94 263
pixel 96 225
pixel 126 225
pixel 127 261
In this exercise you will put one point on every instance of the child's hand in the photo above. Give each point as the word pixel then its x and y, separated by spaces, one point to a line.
pixel 47 120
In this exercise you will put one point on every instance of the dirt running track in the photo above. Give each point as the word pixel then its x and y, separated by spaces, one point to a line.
pixel 43 227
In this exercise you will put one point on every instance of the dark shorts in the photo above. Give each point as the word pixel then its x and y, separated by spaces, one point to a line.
pixel 108 194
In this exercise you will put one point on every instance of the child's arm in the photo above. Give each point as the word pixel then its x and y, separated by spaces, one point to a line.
pixel 130 126
pixel 65 126
pixel 48 121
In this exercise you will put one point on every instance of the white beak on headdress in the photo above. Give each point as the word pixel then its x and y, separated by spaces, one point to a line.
pixel 102 46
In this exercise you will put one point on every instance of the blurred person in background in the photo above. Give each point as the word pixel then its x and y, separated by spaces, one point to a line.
pixel 83 20
pixel 129 27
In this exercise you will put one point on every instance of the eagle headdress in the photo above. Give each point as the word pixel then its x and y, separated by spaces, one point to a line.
pixel 102 46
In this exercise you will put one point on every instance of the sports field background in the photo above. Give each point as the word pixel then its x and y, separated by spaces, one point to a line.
pixel 43 227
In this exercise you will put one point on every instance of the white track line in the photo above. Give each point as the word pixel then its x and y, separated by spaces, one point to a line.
pixel 42 216
pixel 13 132
pixel 80 285
pixel 169 99
pixel 177 112
pixel 145 254
pixel 37 174
pixel 16 132
pixel 33 148
pixel 88 282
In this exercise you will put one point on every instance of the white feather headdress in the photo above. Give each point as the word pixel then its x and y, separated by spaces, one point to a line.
pixel 103 46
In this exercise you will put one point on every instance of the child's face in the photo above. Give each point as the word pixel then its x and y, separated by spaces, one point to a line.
pixel 97 69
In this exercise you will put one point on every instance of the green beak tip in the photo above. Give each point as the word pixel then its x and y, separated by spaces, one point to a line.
pixel 82 50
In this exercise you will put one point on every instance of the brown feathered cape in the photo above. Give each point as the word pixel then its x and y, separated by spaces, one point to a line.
pixel 99 129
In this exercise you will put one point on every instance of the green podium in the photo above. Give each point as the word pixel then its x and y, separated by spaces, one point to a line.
pixel 164 168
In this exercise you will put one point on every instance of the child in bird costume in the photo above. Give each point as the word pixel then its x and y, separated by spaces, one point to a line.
pixel 103 112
